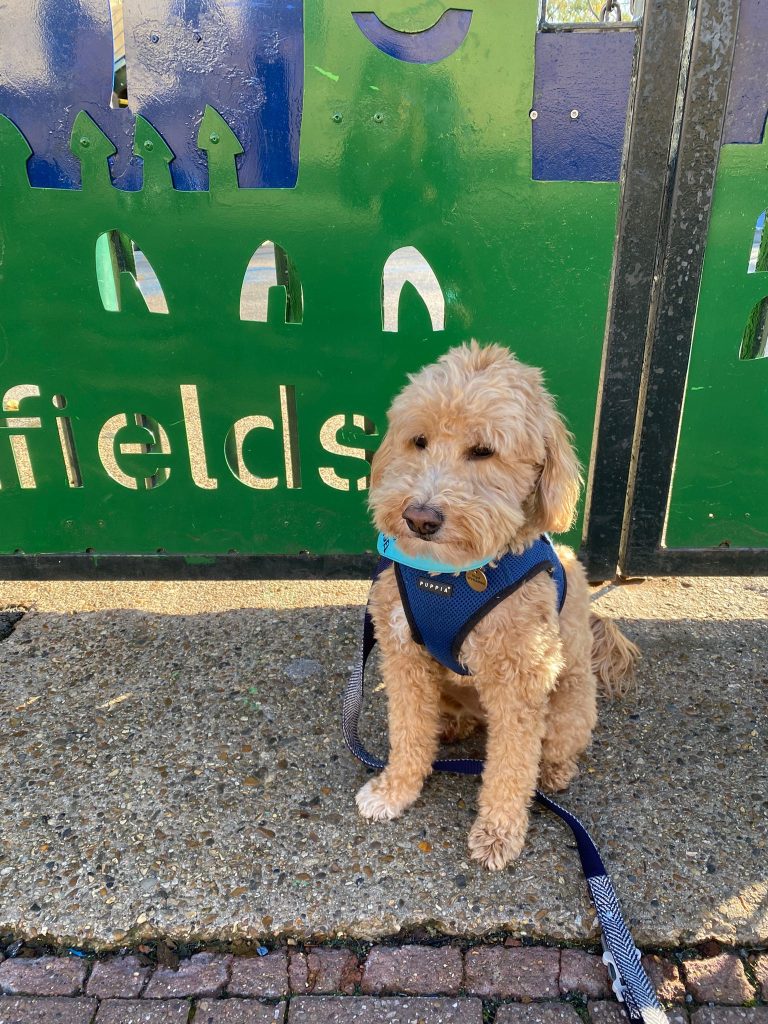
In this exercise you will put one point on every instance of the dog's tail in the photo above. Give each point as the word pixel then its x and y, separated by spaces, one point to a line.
pixel 614 657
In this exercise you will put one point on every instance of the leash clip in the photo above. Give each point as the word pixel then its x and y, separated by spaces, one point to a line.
pixel 617 983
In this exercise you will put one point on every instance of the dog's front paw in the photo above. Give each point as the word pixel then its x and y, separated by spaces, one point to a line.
pixel 495 844
pixel 377 801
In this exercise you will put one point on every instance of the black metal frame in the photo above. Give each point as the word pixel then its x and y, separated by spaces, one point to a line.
pixel 665 371
pixel 649 162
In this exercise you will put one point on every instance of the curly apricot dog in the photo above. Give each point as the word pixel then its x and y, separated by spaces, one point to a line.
pixel 476 463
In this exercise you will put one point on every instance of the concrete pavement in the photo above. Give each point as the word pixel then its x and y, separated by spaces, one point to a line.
pixel 173 767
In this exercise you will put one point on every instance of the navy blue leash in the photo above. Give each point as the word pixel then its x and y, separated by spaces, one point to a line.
pixel 630 982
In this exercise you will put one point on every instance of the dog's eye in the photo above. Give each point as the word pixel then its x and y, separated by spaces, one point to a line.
pixel 420 441
pixel 480 451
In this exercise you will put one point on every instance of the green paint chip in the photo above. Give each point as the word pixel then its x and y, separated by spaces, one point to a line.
pixel 328 74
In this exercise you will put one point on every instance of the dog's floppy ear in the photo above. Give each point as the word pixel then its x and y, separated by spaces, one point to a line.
pixel 557 492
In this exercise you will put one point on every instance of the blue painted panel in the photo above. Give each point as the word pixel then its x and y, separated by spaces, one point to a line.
pixel 426 47
pixel 748 96
pixel 55 60
pixel 245 59
pixel 589 72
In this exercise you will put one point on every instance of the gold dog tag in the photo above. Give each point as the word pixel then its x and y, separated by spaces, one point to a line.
pixel 477 579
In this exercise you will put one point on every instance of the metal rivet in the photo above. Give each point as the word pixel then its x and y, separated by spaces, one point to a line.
pixel 85 142
pixel 154 38
pixel 214 137
pixel 148 145
pixel 378 118
pixel 337 117
pixel 574 114
pixel 533 114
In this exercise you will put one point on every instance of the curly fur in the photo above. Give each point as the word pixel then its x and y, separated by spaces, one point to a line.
pixel 534 672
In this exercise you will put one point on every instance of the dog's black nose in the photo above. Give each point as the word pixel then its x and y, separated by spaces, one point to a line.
pixel 423 520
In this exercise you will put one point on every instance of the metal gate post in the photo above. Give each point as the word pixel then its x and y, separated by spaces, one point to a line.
pixel 673 315
pixel 653 135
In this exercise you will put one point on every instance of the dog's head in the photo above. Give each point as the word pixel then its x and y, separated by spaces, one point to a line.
pixel 476 460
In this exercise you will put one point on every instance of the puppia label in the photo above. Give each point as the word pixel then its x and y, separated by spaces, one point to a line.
pixel 434 587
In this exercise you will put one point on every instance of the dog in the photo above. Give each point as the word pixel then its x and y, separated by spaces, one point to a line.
pixel 477 463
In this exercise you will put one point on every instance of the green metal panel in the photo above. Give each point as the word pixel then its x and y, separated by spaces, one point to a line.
pixel 720 488
pixel 392 154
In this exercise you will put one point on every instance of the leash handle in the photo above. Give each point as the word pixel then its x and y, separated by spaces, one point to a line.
pixel 622 957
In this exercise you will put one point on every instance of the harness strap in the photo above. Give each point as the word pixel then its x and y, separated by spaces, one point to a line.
pixel 630 981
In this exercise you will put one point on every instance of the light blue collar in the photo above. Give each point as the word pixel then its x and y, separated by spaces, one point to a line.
pixel 389 548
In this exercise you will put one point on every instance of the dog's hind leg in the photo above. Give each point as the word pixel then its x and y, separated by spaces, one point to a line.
pixel 571 717
pixel 572 704
pixel 412 681
pixel 460 712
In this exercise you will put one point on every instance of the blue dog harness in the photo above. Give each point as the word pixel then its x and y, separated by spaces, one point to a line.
pixel 442 609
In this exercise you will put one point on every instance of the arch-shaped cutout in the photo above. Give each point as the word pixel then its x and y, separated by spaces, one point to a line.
pixel 427 46
pixel 754 341
pixel 758 255
pixel 269 269
pixel 116 255
pixel 408 264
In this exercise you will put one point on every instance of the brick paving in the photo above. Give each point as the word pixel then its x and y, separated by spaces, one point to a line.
pixel 204 974
pixel 730 1015
pixel 143 1011
pixel 41 1010
pixel 121 977
pixel 263 977
pixel 665 977
pixel 371 1010
pixel 324 971
pixel 537 1013
pixel 46 976
pixel 760 967
pixel 585 973
pixel 413 971
pixel 718 979
pixel 605 1012
pixel 238 1011
pixel 498 972
pixel 393 984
